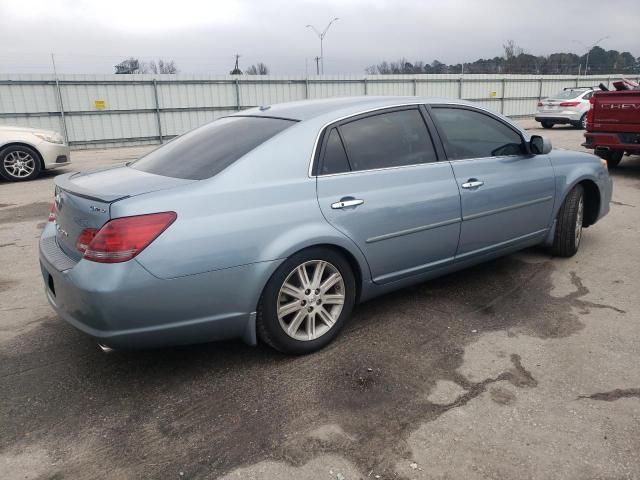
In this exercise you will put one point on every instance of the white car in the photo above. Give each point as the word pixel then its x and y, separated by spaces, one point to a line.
pixel 569 106
pixel 25 152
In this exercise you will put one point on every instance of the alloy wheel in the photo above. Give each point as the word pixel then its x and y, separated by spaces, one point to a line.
pixel 310 300
pixel 19 164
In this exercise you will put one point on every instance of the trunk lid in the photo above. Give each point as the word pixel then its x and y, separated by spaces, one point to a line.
pixel 83 200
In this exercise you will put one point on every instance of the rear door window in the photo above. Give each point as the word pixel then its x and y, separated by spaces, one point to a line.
pixel 391 139
pixel 207 150
pixel 471 134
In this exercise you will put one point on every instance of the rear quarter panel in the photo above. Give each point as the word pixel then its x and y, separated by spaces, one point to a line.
pixel 262 208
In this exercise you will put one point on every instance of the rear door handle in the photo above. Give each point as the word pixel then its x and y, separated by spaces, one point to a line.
pixel 354 202
pixel 472 183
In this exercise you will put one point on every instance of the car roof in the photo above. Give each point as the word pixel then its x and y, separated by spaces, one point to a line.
pixel 307 109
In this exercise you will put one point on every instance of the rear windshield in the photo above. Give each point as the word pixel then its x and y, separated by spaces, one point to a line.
pixel 567 94
pixel 207 150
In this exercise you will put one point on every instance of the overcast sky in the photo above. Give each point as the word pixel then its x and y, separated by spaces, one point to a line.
pixel 90 36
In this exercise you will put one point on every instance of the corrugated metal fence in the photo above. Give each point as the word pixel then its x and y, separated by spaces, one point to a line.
pixel 115 110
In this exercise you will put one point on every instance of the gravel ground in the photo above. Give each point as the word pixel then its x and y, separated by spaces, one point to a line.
pixel 524 367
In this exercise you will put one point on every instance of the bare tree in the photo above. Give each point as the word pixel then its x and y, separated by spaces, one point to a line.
pixel 258 69
pixel 128 66
pixel 133 65
pixel 161 66
pixel 511 50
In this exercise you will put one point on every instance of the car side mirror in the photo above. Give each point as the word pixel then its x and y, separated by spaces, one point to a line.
pixel 539 145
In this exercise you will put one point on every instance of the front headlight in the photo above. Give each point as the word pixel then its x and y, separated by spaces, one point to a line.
pixel 51 138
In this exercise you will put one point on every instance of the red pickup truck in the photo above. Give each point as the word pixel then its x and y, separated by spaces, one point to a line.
pixel 613 125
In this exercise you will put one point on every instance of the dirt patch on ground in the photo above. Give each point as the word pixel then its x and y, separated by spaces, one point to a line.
pixel 32 211
pixel 614 394
pixel 208 409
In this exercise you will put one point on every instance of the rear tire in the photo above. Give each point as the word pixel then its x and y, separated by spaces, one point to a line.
pixel 546 124
pixel 19 163
pixel 583 122
pixel 568 234
pixel 298 316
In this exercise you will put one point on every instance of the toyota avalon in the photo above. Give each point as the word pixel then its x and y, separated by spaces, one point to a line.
pixel 273 223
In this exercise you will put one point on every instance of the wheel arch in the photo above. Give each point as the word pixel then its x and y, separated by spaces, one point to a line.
pixel 359 270
pixel 592 201
pixel 592 195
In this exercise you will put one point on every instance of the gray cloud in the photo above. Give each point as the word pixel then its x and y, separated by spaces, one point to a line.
pixel 90 37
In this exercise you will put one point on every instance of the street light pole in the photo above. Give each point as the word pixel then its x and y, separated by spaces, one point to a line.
pixel 321 36
pixel 589 48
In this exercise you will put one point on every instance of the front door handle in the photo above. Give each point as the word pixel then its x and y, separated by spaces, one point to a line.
pixel 347 202
pixel 472 183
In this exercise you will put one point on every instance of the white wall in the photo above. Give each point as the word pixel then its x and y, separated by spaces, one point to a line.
pixel 131 115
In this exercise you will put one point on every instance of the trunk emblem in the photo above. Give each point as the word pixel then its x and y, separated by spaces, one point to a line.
pixel 61 230
pixel 97 209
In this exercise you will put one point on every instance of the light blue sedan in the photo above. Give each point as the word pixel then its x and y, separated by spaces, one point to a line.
pixel 273 223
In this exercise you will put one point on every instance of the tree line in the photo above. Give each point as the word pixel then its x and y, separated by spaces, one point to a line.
pixel 516 60
pixel 134 66
pixel 513 60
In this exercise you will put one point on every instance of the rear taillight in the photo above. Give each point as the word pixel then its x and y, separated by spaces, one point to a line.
pixel 121 239
pixel 85 238
pixel 592 102
pixel 52 212
pixel 569 104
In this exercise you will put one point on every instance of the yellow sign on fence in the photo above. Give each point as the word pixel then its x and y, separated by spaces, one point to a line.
pixel 493 94
pixel 100 104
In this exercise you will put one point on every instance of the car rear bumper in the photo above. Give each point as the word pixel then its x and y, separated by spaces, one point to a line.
pixel 122 305
pixel 628 142
pixel 54 155
pixel 558 117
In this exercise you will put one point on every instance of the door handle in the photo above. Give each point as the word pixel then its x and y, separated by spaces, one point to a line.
pixel 472 183
pixel 352 202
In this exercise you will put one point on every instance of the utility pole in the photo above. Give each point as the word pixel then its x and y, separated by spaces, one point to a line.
pixel 236 69
pixel 62 120
pixel 589 48
pixel 321 37
pixel 317 59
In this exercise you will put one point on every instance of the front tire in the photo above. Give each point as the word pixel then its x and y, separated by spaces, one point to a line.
pixel 546 124
pixel 307 301
pixel 569 223
pixel 19 163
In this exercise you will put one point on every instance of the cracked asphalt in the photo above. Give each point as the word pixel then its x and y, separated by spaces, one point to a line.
pixel 524 367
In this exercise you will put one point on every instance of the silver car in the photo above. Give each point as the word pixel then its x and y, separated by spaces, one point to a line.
pixel 569 106
pixel 273 223
pixel 25 152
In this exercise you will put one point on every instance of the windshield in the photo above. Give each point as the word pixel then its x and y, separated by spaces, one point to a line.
pixel 567 94
pixel 207 150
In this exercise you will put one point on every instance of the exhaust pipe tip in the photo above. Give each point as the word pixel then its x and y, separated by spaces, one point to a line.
pixel 105 348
